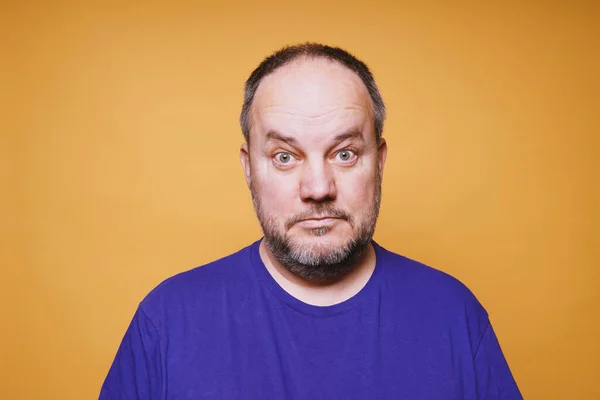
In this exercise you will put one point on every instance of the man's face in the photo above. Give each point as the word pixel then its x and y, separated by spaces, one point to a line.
pixel 314 167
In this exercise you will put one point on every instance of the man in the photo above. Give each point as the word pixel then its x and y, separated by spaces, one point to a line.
pixel 316 309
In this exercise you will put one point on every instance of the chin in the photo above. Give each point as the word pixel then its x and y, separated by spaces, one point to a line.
pixel 320 242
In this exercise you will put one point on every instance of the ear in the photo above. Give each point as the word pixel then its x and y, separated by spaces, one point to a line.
pixel 245 160
pixel 382 154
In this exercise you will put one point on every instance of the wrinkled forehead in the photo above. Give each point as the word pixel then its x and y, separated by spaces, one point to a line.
pixel 311 94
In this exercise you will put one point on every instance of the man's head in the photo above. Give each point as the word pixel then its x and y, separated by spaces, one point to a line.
pixel 313 158
pixel 311 51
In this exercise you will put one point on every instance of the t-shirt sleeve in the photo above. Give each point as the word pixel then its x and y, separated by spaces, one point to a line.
pixel 494 379
pixel 136 372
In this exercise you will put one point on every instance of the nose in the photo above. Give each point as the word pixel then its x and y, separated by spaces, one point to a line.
pixel 317 182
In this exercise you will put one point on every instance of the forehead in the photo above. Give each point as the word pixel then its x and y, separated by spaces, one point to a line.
pixel 309 94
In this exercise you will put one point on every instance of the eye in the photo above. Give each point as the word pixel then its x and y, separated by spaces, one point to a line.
pixel 284 158
pixel 345 155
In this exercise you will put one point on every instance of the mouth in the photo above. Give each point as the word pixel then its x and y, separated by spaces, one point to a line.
pixel 318 222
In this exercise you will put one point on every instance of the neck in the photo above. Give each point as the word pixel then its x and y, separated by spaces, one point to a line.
pixel 321 293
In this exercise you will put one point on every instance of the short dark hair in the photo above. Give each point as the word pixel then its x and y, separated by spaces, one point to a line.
pixel 311 50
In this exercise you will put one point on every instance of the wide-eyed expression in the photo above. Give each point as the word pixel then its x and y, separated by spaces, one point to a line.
pixel 313 162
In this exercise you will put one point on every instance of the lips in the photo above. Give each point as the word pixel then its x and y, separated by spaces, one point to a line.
pixel 319 216
pixel 318 222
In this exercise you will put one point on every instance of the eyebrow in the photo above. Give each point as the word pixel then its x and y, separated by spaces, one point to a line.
pixel 353 133
pixel 274 135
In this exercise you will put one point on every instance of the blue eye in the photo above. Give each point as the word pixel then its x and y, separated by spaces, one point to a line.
pixel 284 158
pixel 345 155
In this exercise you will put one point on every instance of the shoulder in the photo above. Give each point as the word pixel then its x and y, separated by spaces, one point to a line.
pixel 428 288
pixel 200 285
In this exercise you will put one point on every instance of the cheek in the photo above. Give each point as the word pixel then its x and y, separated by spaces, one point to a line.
pixel 277 192
pixel 357 190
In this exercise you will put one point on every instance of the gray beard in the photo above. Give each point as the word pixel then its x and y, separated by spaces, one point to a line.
pixel 326 265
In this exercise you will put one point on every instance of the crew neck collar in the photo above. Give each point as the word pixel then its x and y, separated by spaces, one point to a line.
pixel 324 311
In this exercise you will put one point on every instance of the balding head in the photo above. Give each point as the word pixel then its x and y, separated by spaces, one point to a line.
pixel 312 51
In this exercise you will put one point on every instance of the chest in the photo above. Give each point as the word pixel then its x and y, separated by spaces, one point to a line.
pixel 272 351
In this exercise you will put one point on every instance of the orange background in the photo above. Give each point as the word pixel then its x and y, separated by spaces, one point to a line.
pixel 119 166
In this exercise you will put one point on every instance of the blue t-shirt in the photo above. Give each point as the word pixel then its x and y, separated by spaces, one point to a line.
pixel 227 330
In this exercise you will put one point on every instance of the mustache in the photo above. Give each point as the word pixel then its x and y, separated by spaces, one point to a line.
pixel 320 211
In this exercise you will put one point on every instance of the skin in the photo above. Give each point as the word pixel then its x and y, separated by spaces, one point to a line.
pixel 313 165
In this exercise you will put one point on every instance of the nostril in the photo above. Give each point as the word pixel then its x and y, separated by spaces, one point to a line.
pixel 317 182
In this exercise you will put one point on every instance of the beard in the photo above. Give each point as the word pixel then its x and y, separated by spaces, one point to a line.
pixel 322 262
